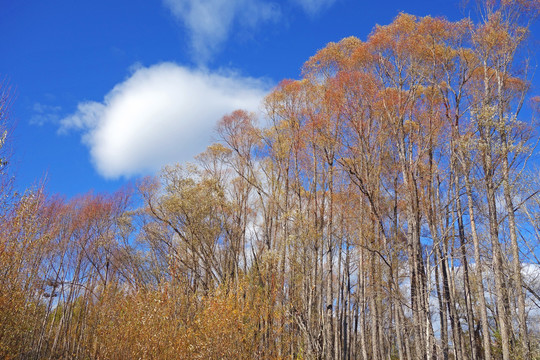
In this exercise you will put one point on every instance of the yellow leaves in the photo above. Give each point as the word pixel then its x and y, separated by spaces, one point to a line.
pixel 141 325
pixel 493 37
pixel 147 325
pixel 505 29
pixel 398 38
pixel 334 57
pixel 410 126
pixel 238 130
pixel 223 329
pixel 344 142
pixel 217 149
pixel 16 322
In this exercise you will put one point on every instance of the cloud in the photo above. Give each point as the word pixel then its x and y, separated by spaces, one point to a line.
pixel 313 7
pixel 44 114
pixel 209 22
pixel 161 114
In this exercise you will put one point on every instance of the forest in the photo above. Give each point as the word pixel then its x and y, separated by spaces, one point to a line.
pixel 386 205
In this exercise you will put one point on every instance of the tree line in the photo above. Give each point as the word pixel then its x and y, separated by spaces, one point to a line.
pixel 386 208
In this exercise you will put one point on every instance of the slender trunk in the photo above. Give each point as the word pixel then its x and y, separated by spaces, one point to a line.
pixel 498 270
pixel 465 266
pixel 373 311
pixel 485 127
pixel 362 301
pixel 516 263
pixel 443 309
pixel 479 271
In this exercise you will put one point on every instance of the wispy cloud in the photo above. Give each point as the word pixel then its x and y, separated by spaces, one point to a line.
pixel 161 114
pixel 313 7
pixel 209 22
pixel 43 113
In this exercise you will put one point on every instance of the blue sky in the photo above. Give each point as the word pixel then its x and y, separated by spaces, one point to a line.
pixel 106 91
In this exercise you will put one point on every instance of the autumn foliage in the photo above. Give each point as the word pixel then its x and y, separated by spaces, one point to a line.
pixel 386 208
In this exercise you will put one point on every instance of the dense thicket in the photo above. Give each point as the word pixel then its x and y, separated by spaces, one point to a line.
pixel 388 208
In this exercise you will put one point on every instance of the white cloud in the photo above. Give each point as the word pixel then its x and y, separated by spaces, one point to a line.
pixel 161 114
pixel 313 7
pixel 44 114
pixel 210 21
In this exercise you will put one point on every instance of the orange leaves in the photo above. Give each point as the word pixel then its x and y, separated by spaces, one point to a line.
pixel 245 254
pixel 505 28
pixel 357 86
pixel 141 325
pixel 156 325
pixel 397 38
pixel 225 328
pixel 334 57
pixel 494 38
pixel 238 130
pixel 518 11
pixel 410 42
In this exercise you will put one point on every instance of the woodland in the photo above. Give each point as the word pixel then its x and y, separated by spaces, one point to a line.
pixel 385 206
